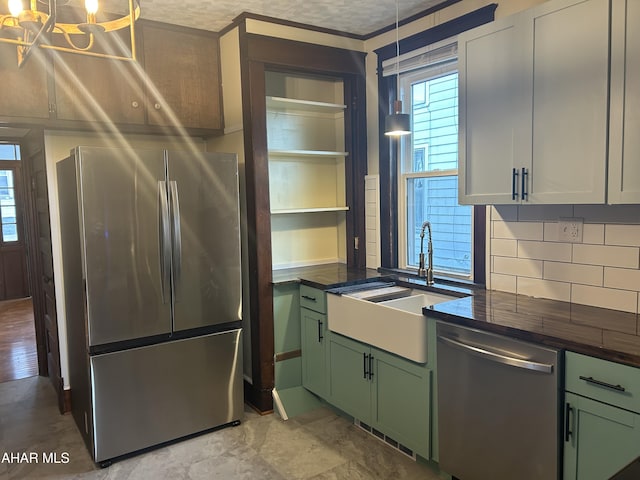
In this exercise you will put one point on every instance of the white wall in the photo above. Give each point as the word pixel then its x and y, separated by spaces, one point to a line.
pixel 57 147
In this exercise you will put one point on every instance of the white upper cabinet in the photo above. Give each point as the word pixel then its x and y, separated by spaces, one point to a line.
pixel 493 81
pixel 534 100
pixel 624 147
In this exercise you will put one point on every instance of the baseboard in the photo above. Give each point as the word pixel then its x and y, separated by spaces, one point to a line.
pixel 260 400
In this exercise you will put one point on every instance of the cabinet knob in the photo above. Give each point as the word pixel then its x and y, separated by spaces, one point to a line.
pixel 135 104
pixel 157 106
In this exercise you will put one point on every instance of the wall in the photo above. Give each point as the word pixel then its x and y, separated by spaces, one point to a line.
pixel 527 256
pixel 233 141
pixel 57 147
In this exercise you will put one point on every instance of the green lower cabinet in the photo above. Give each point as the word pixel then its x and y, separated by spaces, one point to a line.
pixel 314 359
pixel 386 392
pixel 599 439
pixel 349 384
pixel 401 401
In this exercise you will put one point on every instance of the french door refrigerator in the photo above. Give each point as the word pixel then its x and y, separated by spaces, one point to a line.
pixel 151 262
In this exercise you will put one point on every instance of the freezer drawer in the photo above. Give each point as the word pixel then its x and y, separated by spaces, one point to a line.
pixel 149 395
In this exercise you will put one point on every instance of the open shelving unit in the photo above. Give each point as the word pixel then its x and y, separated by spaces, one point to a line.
pixel 307 158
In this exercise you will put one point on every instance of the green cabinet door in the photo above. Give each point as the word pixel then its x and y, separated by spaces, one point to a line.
pixel 401 401
pixel 314 338
pixel 349 383
pixel 599 439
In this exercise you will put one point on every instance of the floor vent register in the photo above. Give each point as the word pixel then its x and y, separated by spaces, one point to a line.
pixel 385 439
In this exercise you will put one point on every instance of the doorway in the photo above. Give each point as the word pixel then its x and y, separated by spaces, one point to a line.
pixel 18 347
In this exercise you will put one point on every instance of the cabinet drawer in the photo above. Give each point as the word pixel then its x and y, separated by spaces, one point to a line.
pixel 313 299
pixel 608 382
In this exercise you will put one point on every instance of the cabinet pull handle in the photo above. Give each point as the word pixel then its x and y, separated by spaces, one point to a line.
pixel 307 297
pixel 600 383
pixel 364 365
pixel 320 337
pixel 568 412
pixel 514 184
pixel 370 367
pixel 525 174
pixel 157 106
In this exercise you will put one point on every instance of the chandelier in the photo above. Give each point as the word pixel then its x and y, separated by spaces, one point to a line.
pixel 38 26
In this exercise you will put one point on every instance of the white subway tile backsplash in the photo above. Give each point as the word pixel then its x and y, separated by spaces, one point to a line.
pixel 603 270
pixel 518 230
pixel 543 213
pixel 550 232
pixel 534 287
pixel 593 233
pixel 626 214
pixel 622 278
pixel 505 213
pixel 610 256
pixel 517 266
pixel 503 283
pixel 628 235
pixel 560 252
pixel 504 247
pixel 573 273
pixel 605 297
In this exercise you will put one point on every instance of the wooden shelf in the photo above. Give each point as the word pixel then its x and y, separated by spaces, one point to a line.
pixel 287 211
pixel 281 103
pixel 306 153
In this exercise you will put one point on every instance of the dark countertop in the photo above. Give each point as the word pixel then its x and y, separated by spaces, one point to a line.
pixel 324 276
pixel 599 332
pixel 609 334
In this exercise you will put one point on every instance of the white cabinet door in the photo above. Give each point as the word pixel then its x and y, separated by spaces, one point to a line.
pixel 493 83
pixel 533 106
pixel 624 146
pixel 570 97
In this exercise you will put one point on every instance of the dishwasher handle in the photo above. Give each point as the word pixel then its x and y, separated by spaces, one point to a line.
pixel 497 357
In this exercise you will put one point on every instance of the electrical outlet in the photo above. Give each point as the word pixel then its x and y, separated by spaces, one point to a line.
pixel 570 230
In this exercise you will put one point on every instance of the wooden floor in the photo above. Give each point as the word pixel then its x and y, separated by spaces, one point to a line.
pixel 18 355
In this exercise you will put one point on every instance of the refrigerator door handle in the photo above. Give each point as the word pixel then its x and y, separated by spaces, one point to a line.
pixel 164 235
pixel 177 238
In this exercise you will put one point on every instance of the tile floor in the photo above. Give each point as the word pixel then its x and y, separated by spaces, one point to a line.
pixel 319 445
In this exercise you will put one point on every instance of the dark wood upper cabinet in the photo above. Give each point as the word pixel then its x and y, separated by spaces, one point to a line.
pixel 24 90
pixel 98 90
pixel 183 77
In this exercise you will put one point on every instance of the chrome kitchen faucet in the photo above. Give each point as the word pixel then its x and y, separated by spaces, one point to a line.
pixel 428 272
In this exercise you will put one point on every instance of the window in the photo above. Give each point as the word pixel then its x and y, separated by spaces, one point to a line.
pixel 8 218
pixel 428 172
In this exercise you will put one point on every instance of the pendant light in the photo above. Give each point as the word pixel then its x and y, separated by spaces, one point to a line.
pixel 397 123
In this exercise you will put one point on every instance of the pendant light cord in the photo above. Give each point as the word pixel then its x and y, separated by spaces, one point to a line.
pixel 397 53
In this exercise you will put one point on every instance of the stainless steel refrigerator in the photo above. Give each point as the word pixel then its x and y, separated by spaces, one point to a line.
pixel 152 282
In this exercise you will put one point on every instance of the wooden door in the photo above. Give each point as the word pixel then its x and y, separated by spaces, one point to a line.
pixel 13 266
pixel 183 84
pixel 41 262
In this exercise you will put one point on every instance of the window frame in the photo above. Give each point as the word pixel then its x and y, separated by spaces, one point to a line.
pixel 405 172
pixel 388 156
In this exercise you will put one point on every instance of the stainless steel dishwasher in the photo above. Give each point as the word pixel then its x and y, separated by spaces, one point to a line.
pixel 498 406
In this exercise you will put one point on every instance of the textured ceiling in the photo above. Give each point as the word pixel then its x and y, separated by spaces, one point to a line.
pixel 359 17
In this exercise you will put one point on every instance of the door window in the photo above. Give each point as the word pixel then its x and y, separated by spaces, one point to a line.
pixel 8 207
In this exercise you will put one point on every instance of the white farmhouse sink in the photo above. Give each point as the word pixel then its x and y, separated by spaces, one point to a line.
pixel 397 326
